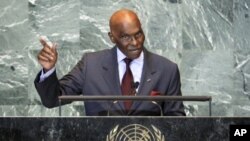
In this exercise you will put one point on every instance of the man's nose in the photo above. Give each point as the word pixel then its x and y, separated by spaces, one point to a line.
pixel 134 41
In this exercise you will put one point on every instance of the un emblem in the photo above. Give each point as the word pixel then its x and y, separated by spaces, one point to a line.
pixel 135 132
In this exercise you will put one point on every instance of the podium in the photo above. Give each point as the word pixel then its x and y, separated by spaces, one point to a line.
pixel 117 128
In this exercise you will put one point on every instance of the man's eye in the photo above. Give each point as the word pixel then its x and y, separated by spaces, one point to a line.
pixel 125 37
pixel 137 35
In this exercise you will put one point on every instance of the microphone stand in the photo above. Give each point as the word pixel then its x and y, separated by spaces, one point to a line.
pixel 158 105
pixel 111 106
pixel 134 86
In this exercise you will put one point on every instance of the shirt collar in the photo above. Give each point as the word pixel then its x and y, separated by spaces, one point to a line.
pixel 121 56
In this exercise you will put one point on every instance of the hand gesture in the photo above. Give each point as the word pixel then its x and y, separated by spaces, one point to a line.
pixel 47 57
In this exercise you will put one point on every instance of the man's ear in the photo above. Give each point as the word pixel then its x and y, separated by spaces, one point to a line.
pixel 111 37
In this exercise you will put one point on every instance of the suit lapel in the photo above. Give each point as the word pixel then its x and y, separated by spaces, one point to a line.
pixel 148 75
pixel 148 78
pixel 111 75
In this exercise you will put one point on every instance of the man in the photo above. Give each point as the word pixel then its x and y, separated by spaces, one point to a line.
pixel 125 68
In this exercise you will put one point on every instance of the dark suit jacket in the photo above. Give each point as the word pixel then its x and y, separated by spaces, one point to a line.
pixel 97 74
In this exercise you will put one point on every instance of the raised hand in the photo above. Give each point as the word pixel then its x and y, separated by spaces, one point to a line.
pixel 47 57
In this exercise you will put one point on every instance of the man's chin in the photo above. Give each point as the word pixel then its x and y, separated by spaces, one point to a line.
pixel 134 54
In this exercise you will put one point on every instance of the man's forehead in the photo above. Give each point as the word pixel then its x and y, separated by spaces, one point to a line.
pixel 123 13
pixel 123 16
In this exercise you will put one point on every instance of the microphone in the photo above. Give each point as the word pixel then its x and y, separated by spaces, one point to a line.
pixel 158 105
pixel 111 106
pixel 156 93
pixel 134 86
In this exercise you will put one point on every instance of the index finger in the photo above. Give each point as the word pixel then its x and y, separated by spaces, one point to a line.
pixel 43 42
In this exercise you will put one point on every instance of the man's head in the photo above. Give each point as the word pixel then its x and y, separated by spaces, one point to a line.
pixel 126 32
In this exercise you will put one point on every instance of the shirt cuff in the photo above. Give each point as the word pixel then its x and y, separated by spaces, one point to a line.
pixel 43 75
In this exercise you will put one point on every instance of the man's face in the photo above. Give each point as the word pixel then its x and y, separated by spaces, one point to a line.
pixel 129 38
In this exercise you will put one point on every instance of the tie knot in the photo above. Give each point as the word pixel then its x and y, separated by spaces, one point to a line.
pixel 127 61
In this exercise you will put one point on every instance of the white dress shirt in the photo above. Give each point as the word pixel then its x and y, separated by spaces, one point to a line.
pixel 136 66
pixel 43 75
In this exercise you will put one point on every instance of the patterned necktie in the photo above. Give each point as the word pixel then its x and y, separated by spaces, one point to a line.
pixel 127 81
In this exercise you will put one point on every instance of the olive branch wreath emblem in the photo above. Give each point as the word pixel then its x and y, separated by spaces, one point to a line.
pixel 134 131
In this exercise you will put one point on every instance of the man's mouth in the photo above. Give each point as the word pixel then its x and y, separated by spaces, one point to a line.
pixel 133 48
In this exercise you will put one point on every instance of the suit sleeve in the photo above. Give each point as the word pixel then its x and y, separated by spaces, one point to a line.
pixel 174 108
pixel 70 84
